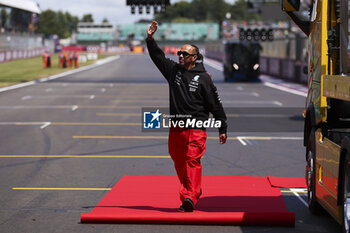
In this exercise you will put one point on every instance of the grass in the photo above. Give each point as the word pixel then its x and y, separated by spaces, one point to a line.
pixel 24 70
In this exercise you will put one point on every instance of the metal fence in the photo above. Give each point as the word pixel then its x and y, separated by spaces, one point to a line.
pixel 14 46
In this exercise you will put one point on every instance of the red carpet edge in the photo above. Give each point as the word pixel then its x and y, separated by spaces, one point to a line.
pixel 227 200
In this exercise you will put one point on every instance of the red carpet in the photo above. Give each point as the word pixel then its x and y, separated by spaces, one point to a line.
pixel 287 182
pixel 226 200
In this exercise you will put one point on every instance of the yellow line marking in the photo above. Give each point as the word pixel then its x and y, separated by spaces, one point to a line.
pixel 88 156
pixel 94 123
pixel 289 191
pixel 159 137
pixel 114 106
pixel 62 189
pixel 119 114
pixel 142 101
pixel 133 97
pixel 123 137
pixel 101 189
pixel 232 115
pixel 73 123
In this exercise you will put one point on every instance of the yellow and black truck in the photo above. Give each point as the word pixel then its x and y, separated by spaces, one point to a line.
pixel 327 109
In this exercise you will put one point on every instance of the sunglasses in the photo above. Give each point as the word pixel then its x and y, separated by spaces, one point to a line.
pixel 184 53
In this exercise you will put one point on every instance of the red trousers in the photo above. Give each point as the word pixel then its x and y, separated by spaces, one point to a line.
pixel 186 147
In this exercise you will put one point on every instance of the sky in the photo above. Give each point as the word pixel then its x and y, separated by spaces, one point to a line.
pixel 115 11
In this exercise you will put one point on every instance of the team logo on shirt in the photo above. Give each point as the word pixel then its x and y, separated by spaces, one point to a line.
pixel 194 83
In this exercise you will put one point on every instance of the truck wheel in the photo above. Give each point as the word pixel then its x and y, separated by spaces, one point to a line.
pixel 314 206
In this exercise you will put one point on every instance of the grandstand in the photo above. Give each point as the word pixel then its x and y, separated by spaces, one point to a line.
pixel 17 31
pixel 23 16
pixel 172 31
pixel 24 5
pixel 95 33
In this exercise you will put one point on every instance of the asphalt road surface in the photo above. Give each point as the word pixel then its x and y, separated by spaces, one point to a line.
pixel 64 141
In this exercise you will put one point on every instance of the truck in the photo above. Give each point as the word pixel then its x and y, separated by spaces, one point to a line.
pixel 327 108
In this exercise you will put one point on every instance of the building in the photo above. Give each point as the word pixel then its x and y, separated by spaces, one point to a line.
pixel 96 33
pixel 172 31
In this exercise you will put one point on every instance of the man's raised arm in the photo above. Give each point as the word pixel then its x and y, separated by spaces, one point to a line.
pixel 157 55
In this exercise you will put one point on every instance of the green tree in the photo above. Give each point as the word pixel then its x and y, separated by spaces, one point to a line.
pixel 72 22
pixel 178 10
pixel 239 11
pixel 48 24
pixel 87 18
pixel 197 10
pixel 212 11
pixel 105 20
pixel 205 11
pixel 57 23
pixel 62 30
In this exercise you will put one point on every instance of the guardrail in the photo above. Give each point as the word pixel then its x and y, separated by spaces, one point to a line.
pixel 287 69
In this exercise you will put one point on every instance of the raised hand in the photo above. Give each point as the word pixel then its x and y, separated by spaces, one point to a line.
pixel 152 29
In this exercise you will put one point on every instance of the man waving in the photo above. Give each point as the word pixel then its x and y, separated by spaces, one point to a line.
pixel 192 94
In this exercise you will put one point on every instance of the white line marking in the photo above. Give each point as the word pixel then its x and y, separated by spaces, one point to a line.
pixel 278 103
pixel 241 141
pixel 285 89
pixel 27 97
pixel 17 86
pixel 239 88
pixel 62 96
pixel 251 102
pixel 218 65
pixel 298 189
pixel 269 138
pixel 301 199
pixel 106 60
pixel 75 107
pixel 36 107
pixel 239 94
pixel 45 125
pixel 22 123
pixel 98 63
pixel 258 115
pixel 48 90
pixel 103 90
